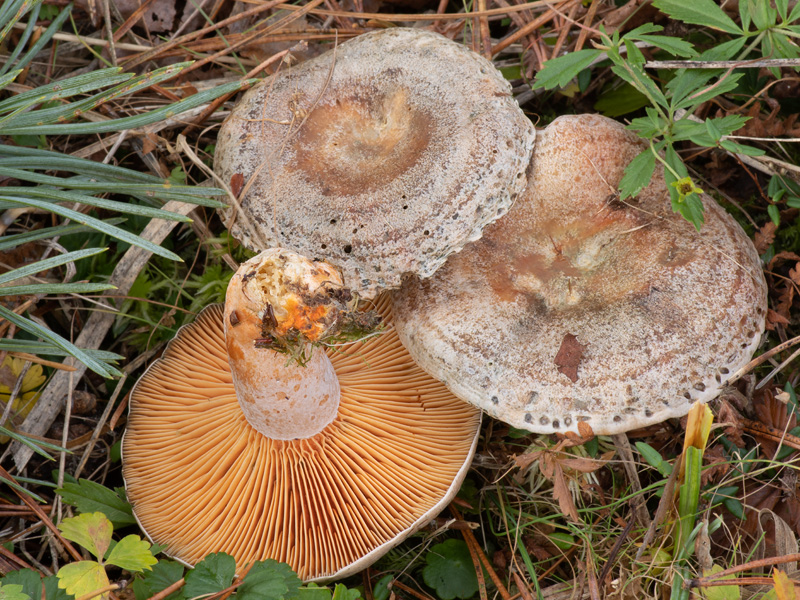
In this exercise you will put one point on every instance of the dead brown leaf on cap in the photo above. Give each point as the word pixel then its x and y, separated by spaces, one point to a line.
pixel 569 357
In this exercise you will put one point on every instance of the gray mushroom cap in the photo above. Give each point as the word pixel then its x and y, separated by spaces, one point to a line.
pixel 382 157
pixel 579 307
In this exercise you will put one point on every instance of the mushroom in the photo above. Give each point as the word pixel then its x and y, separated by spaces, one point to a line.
pixel 382 156
pixel 580 307
pixel 234 446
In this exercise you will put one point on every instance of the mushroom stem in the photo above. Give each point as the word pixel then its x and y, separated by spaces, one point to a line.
pixel 281 303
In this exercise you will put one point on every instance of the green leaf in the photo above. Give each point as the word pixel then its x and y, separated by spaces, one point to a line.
pixel 381 590
pixel 654 458
pixel 12 591
pixel 88 496
pixel 211 575
pixel 52 591
pixel 312 592
pixel 635 75
pixel 132 553
pixel 163 575
pixel 82 578
pixel 558 72
pixel 722 592
pixel 795 14
pixel 450 571
pixel 637 174
pixel 673 45
pixel 268 580
pixel 698 12
pixel 724 51
pixel 341 592
pixel 29 580
pixel 621 101
pixel 736 148
pixel 774 214
pixel 90 530
pixel 682 190
pixel 650 126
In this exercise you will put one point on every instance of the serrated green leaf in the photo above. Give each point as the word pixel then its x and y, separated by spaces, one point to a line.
pixel 312 592
pixel 635 75
pixel 12 591
pixel 795 14
pixel 450 571
pixel 673 45
pixel 621 101
pixel 29 580
pixel 211 575
pixel 268 580
pixel 90 530
pixel 698 12
pixel 132 553
pixel 558 72
pixel 342 592
pixel 697 97
pixel 784 47
pixel 82 578
pixel 732 146
pixel 724 51
pixel 163 575
pixel 88 496
pixel 650 126
pixel 637 174
pixel 52 591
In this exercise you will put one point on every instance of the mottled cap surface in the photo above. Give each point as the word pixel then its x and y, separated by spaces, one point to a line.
pixel 382 157
pixel 201 479
pixel 579 307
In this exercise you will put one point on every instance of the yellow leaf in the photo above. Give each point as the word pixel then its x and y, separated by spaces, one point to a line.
pixel 784 588
pixel 82 578
pixel 722 592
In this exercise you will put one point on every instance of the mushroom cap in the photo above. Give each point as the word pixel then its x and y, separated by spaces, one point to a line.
pixel 580 307
pixel 202 480
pixel 382 157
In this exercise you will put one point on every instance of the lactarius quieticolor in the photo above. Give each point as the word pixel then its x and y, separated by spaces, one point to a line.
pixel 382 157
pixel 577 306
pixel 232 446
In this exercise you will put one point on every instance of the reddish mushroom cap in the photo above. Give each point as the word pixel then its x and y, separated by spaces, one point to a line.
pixel 382 157
pixel 577 306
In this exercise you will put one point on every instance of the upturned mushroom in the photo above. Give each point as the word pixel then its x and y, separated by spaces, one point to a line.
pixel 232 446
pixel 579 307
pixel 382 157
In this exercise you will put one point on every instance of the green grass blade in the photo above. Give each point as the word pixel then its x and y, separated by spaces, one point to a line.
pixel 23 40
pixel 11 12
pixel 45 38
pixel 97 225
pixel 44 348
pixel 51 195
pixel 80 84
pixel 9 77
pixel 55 288
pixel 128 122
pixel 18 487
pixel 48 263
pixel 95 365
pixel 12 241
pixel 73 110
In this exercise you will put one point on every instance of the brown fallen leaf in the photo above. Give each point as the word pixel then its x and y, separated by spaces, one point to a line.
pixel 237 183
pixel 569 357
pixel 765 236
